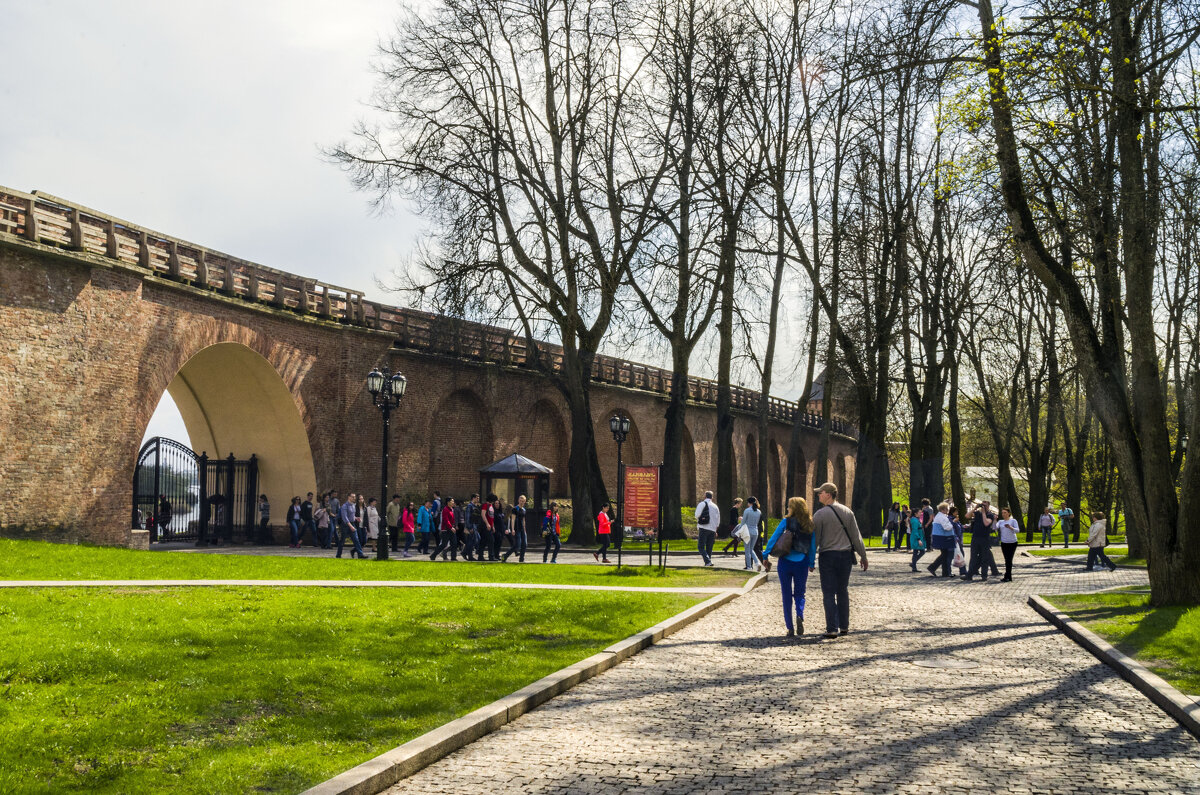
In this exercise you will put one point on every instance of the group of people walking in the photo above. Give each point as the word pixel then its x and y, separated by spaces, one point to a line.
pixel 942 530
pixel 477 529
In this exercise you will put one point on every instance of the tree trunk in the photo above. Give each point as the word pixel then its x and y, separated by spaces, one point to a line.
pixel 726 485
pixel 796 441
pixel 872 474
pixel 583 465
pixel 957 490
pixel 673 445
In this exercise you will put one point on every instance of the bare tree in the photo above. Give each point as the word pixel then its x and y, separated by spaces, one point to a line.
pixel 509 122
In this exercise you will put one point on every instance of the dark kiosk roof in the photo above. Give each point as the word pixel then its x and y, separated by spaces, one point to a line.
pixel 515 464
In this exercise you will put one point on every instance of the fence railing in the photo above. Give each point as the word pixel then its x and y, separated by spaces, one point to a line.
pixel 47 219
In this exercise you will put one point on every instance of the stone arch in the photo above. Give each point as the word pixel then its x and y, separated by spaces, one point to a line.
pixel 749 479
pixel 800 473
pixel 234 401
pixel 775 480
pixel 461 443
pixel 687 469
pixel 544 439
pixel 606 448
pixel 739 491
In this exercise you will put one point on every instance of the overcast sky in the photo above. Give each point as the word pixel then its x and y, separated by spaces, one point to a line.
pixel 204 121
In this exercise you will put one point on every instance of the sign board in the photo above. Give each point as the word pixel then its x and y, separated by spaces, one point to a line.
pixel 641 497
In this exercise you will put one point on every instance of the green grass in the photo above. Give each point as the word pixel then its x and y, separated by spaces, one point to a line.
pixel 37 560
pixel 1164 639
pixel 1118 555
pixel 203 690
pixel 1112 552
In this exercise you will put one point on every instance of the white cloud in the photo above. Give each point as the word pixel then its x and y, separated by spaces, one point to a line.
pixel 204 121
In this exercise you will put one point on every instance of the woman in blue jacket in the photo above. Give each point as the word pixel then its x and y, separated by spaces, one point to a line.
pixel 795 566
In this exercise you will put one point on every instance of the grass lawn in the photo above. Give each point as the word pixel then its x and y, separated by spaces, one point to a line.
pixel 38 560
pixel 1164 639
pixel 249 689
pixel 1112 552
pixel 1116 554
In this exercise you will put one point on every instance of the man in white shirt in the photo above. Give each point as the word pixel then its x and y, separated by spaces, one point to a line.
pixel 708 518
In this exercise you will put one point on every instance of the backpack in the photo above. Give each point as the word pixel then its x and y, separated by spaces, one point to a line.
pixel 705 515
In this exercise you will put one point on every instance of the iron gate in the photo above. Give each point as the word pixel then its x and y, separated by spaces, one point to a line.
pixel 166 490
pixel 181 496
pixel 229 499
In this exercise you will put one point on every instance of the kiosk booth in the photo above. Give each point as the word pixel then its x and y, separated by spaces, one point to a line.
pixel 515 475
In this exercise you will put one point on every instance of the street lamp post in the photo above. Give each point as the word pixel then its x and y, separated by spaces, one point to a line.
pixel 386 392
pixel 619 425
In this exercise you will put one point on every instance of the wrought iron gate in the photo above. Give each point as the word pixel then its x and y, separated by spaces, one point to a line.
pixel 181 496
pixel 166 490
pixel 229 499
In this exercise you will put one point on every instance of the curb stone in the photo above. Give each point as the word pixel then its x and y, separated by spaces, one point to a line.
pixel 1153 686
pixel 383 771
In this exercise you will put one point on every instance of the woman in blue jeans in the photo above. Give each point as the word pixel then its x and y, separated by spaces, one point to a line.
pixel 796 565
pixel 750 518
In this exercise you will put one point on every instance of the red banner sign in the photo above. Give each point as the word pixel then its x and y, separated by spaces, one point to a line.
pixel 641 497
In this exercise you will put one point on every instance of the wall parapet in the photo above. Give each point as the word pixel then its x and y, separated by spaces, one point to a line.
pixel 50 220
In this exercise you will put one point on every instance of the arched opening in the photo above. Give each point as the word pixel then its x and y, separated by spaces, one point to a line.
pixel 849 465
pixel 232 401
pixel 462 444
pixel 739 490
pixel 544 439
pixel 749 479
pixel 606 448
pixel 687 474
pixel 774 480
pixel 800 473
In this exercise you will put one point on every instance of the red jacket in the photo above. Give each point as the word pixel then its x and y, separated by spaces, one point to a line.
pixel 447 519
pixel 605 524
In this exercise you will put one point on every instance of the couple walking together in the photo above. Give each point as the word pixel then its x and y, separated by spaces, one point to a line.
pixel 828 540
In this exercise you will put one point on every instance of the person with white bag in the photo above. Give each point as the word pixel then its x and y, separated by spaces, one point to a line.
pixel 750 519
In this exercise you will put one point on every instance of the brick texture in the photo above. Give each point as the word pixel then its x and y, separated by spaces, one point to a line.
pixel 90 347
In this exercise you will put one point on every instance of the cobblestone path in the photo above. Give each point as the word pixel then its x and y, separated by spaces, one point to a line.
pixel 729 705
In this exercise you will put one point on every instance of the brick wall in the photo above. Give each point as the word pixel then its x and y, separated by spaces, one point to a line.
pixel 90 347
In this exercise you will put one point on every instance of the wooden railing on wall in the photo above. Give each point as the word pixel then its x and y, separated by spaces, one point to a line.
pixel 49 220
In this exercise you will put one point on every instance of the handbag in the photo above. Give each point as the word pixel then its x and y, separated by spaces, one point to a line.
pixel 742 533
pixel 784 545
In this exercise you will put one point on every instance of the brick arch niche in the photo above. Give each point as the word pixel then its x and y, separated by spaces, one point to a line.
pixel 461 443
pixel 233 401
pixel 775 480
pixel 606 448
pixel 739 491
pixel 749 480
pixel 544 439
pixel 687 469
pixel 800 473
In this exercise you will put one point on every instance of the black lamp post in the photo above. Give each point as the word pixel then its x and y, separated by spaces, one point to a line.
pixel 619 425
pixel 386 391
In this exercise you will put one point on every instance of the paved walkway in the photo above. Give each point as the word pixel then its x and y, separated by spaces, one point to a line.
pixel 729 705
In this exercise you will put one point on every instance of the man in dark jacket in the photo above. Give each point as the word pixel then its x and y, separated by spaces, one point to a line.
pixel 982 525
